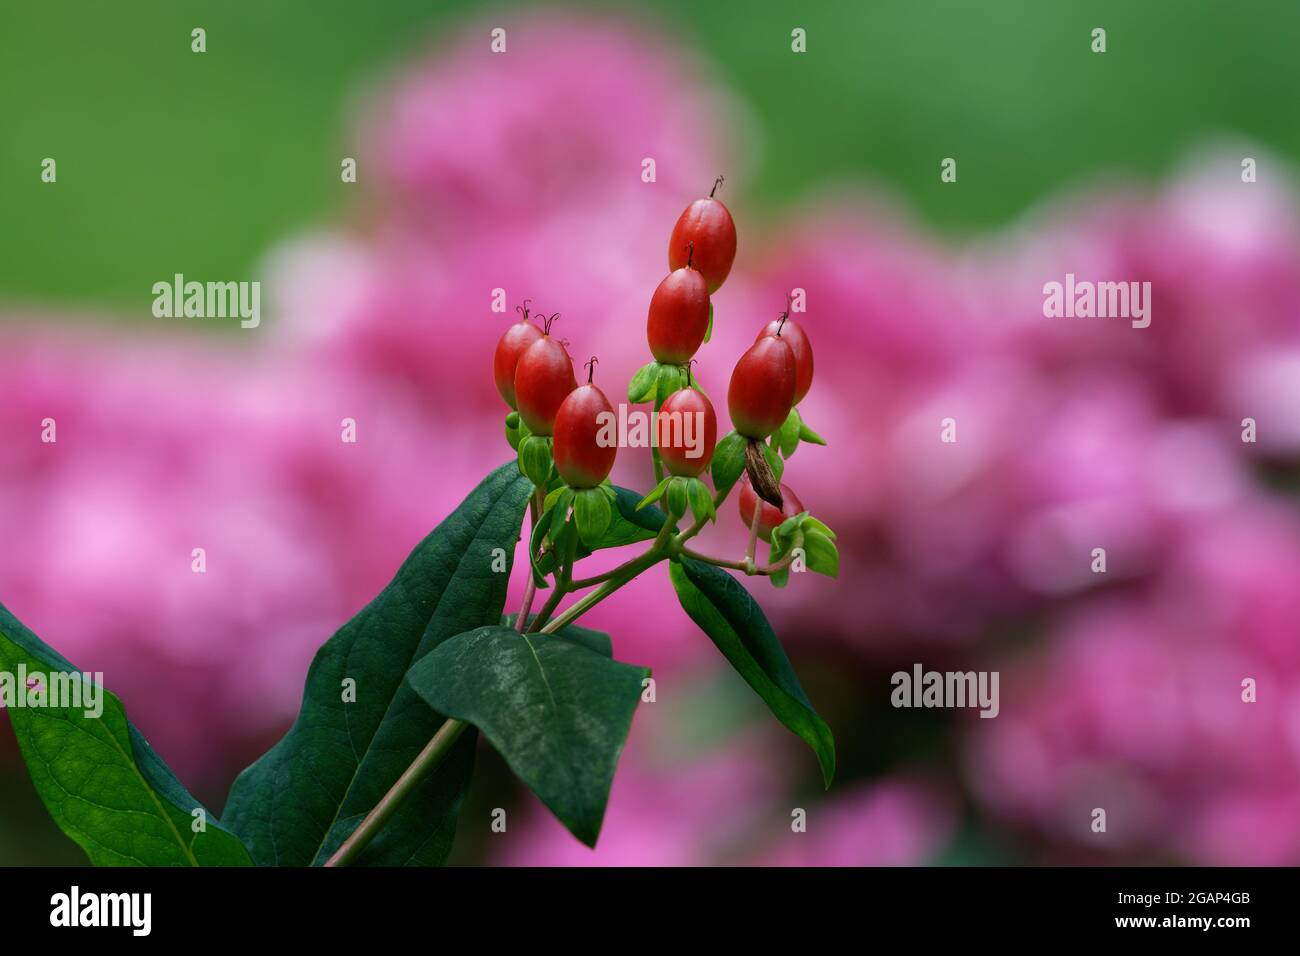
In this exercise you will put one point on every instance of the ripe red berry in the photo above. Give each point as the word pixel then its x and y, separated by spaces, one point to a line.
pixel 686 430
pixel 706 224
pixel 679 316
pixel 543 378
pixel 584 444
pixel 513 342
pixel 770 516
pixel 761 393
pixel 800 346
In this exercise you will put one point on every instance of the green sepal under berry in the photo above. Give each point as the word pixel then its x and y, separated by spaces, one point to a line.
pixel 545 542
pixel 629 524
pixel 700 499
pixel 591 515
pixel 516 430
pixel 654 382
pixel 787 436
pixel 535 461
pixel 816 540
pixel 821 554
pixel 535 541
pixel 656 494
pixel 642 386
pixel 808 435
pixel 728 461
pixel 675 497
pixel 671 379
pixel 774 461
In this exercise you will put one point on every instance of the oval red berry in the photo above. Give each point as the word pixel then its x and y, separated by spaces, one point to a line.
pixel 512 344
pixel 686 430
pixel 543 379
pixel 797 339
pixel 585 440
pixel 761 393
pixel 679 316
pixel 705 236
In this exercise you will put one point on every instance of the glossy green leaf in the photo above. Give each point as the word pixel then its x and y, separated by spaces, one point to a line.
pixel 708 330
pixel 725 611
pixel 97 775
pixel 557 712
pixel 297 804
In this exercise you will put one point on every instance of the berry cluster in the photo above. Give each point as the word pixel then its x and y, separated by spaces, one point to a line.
pixel 560 429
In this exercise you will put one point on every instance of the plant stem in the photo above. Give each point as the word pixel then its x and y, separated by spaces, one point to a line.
pixel 753 532
pixel 535 506
pixel 429 757
pixel 748 565
pixel 660 545
pixel 563 577
pixel 664 546
pixel 580 607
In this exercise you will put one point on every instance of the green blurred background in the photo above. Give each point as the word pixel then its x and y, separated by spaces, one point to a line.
pixel 205 160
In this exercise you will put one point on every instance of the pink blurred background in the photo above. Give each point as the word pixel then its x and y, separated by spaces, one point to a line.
pixel 1120 690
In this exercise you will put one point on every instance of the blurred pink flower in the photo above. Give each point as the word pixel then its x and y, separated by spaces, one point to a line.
pixel 1135 705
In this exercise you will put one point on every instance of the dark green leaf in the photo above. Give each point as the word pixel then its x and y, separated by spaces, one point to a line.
pixel 596 641
pixel 297 803
pixel 726 612
pixel 99 778
pixel 708 331
pixel 728 461
pixel 557 712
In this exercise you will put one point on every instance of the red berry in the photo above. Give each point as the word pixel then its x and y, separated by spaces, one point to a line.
pixel 802 349
pixel 516 339
pixel 706 224
pixel 585 442
pixel 769 517
pixel 543 378
pixel 761 393
pixel 679 316
pixel 686 431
